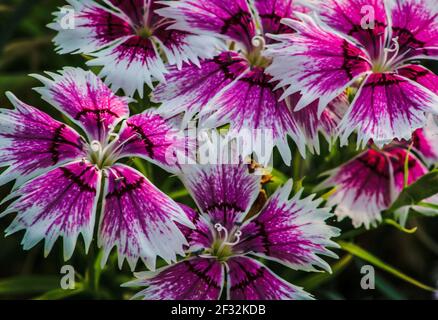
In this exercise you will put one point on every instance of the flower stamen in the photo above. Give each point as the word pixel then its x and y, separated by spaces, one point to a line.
pixel 222 248
pixel 389 58
pixel 259 42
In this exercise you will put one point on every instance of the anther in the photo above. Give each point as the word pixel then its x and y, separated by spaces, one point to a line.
pixel 258 42
pixel 237 235
pixel 96 146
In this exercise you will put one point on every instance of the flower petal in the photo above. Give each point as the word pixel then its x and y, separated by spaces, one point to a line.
pixel 416 169
pixel 32 143
pixel 363 188
pixel 415 24
pixel 316 62
pixel 350 18
pixel 192 88
pixel 425 140
pixel 202 236
pixel 139 219
pixel 271 12
pixel 121 64
pixel 193 279
pixel 219 18
pixel 223 192
pixel 388 107
pixel 420 75
pixel 252 104
pixel 83 97
pixel 292 232
pixel 61 202
pixel 94 27
pixel 182 47
pixel 150 136
pixel 138 11
pixel 248 279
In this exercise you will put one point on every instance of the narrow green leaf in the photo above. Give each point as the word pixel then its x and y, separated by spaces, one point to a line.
pixel 179 194
pixel 423 188
pixel 97 270
pixel 314 281
pixel 428 205
pixel 366 256
pixel 28 285
pixel 58 294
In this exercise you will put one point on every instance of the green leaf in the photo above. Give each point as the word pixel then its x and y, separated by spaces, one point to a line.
pixel 15 82
pixel 366 256
pixel 423 188
pixel 97 270
pixel 429 205
pixel 314 281
pixel 28 285
pixel 277 180
pixel 388 290
pixel 58 294
pixel 179 194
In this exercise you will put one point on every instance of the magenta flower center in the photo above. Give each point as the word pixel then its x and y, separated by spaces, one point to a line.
pixel 104 155
pixel 222 247
pixel 152 25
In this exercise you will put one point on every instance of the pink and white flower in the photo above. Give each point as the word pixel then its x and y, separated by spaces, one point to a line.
pixel 129 40
pixel 370 183
pixel 235 87
pixel 337 48
pixel 226 241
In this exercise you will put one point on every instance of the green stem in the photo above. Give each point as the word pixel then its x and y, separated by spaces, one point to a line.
pixel 406 167
pixel 179 194
pixel 93 273
pixel 296 170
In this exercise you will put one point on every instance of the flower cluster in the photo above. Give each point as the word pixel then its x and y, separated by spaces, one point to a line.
pixel 59 173
pixel 296 68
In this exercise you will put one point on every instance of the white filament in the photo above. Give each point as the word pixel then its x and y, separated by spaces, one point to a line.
pixel 227 242
pixel 258 42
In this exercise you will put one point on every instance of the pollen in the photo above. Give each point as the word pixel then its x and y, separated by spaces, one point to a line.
pixel 144 32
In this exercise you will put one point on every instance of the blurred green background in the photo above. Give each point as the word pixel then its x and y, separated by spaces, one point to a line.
pixel 25 47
